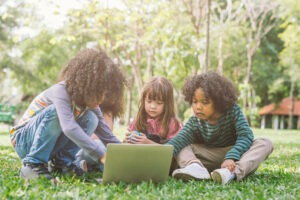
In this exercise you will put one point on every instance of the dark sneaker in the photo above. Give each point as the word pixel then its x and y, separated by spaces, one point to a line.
pixel 33 171
pixel 78 169
pixel 95 167
pixel 55 168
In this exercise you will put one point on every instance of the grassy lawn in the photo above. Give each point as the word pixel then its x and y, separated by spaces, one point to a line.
pixel 277 178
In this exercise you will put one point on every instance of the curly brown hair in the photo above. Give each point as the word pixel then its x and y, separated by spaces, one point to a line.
pixel 216 88
pixel 158 88
pixel 92 75
pixel 114 99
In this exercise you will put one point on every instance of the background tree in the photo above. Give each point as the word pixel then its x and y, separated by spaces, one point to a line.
pixel 167 38
pixel 262 17
pixel 8 24
pixel 290 56
pixel 226 14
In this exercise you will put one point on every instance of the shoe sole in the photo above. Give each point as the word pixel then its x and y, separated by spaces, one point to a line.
pixel 216 177
pixel 184 177
pixel 187 177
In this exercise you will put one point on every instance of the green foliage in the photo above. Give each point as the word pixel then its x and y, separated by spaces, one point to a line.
pixel 265 60
pixel 8 22
pixel 42 61
pixel 290 56
pixel 277 178
pixel 152 38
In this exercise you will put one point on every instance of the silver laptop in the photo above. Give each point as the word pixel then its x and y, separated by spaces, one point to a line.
pixel 134 163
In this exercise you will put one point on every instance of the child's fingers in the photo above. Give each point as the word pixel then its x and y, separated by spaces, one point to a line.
pixel 140 139
pixel 131 141
pixel 142 134
pixel 136 139
pixel 229 164
pixel 128 138
pixel 127 134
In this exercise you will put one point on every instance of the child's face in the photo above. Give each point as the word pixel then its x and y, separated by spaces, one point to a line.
pixel 204 108
pixel 154 108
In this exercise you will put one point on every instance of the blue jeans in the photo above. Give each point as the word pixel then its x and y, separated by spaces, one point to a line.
pixel 42 137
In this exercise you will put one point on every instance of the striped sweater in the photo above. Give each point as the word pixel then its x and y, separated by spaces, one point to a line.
pixel 232 129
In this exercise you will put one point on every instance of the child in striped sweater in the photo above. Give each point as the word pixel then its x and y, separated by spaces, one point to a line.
pixel 217 138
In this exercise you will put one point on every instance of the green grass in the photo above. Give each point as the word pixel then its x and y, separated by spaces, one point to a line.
pixel 277 178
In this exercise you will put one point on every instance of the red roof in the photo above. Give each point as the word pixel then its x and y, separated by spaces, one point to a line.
pixel 282 109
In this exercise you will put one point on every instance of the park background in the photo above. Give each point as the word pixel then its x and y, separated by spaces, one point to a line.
pixel 254 43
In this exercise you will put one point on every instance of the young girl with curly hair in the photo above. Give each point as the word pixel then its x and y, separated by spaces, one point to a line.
pixel 112 107
pixel 60 120
pixel 156 121
pixel 217 138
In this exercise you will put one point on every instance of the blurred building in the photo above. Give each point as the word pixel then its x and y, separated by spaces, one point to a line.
pixel 276 116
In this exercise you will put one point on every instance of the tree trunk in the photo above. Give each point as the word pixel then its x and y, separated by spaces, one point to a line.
pixel 220 54
pixel 207 37
pixel 136 67
pixel 250 53
pixel 149 72
pixel 291 111
pixel 129 100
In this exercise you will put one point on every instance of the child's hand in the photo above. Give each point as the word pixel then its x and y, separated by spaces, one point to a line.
pixel 229 164
pixel 130 137
pixel 139 139
pixel 127 137
pixel 102 159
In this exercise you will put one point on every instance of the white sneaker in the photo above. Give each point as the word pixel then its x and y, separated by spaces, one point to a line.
pixel 192 171
pixel 222 175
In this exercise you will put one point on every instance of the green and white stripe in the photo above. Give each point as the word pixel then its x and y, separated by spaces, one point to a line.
pixel 231 129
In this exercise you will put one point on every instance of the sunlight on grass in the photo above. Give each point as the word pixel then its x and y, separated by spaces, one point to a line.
pixel 279 136
pixel 4 139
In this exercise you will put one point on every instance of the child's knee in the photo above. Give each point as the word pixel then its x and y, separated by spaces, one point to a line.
pixel 51 112
pixel 92 118
pixel 266 143
pixel 89 121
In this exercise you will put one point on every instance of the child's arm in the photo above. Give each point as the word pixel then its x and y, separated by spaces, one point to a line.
pixel 69 126
pixel 185 137
pixel 103 131
pixel 244 136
